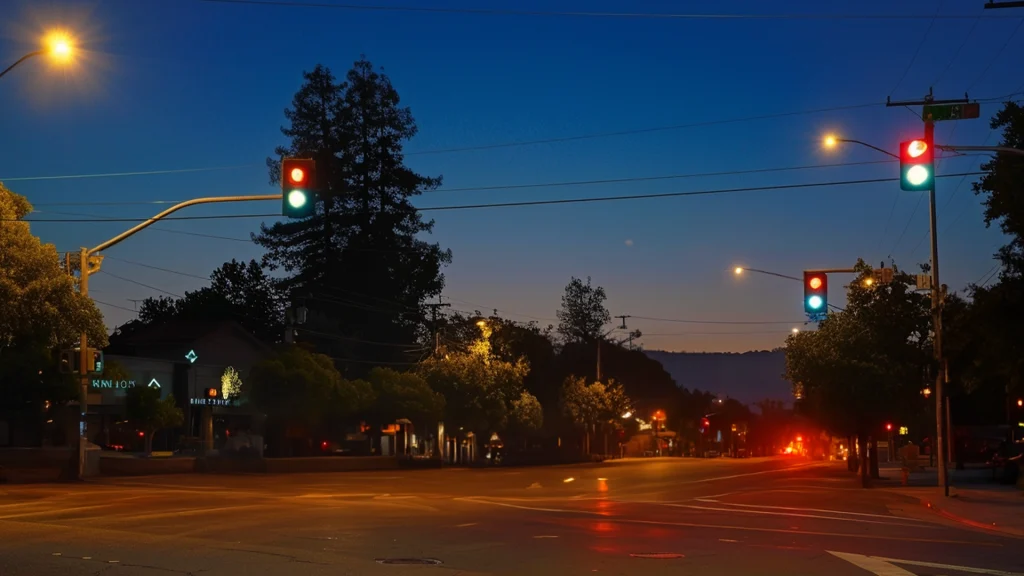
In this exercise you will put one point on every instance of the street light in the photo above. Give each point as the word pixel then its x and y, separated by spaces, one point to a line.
pixel 796 330
pixel 739 270
pixel 57 44
pixel 831 142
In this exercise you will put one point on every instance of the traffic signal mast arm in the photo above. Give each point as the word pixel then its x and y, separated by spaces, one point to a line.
pixel 90 264
pixel 1001 149
pixel 194 202
pixel 831 271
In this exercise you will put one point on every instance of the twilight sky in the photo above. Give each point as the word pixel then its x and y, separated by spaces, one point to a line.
pixel 170 85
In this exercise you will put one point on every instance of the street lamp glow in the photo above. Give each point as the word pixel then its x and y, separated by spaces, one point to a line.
pixel 830 141
pixel 869 281
pixel 796 330
pixel 627 415
pixel 59 46
pixel 738 270
pixel 481 323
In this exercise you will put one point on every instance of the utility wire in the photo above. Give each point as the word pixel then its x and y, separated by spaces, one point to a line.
pixel 678 321
pixel 931 23
pixel 118 174
pixel 151 267
pixel 136 312
pixel 996 55
pixel 577 14
pixel 956 54
pixel 564 183
pixel 529 202
pixel 123 279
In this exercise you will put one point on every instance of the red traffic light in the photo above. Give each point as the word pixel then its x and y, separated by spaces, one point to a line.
pixel 888 427
pixel 298 173
pixel 814 282
pixel 916 152
pixel 916 148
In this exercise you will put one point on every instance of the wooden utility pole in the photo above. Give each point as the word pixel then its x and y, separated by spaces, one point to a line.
pixel 433 322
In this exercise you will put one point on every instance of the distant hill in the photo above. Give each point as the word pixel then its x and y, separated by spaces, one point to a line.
pixel 747 376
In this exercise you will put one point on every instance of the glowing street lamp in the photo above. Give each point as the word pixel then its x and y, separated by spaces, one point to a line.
pixel 58 45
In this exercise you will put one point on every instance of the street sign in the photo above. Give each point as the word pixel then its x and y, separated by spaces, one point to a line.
pixel 882 275
pixel 153 383
pixel 192 356
pixel 924 282
pixel 940 112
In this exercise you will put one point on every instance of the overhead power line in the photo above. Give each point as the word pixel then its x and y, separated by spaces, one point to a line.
pixel 115 306
pixel 525 203
pixel 121 174
pixel 137 283
pixel 603 15
pixel 559 184
pixel 151 267
pixel 736 322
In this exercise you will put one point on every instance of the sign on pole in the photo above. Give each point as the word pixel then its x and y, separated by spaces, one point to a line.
pixel 940 112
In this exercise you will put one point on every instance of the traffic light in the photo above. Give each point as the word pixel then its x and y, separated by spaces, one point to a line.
pixel 815 292
pixel 70 361
pixel 917 167
pixel 888 427
pixel 298 181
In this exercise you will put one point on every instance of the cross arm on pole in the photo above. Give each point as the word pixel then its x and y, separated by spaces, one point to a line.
pixel 195 201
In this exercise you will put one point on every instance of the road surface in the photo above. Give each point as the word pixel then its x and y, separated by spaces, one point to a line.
pixel 647 517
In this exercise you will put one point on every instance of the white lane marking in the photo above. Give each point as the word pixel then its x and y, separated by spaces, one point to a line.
pixel 539 537
pixel 807 510
pixel 967 569
pixel 795 515
pixel 745 474
pixel 52 511
pixel 873 565
pixel 728 540
pixel 466 525
pixel 533 508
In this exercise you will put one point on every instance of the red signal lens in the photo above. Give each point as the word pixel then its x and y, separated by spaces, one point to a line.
pixel 814 282
pixel 298 175
pixel 917 148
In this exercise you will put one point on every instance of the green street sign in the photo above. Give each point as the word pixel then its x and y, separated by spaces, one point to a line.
pixel 940 112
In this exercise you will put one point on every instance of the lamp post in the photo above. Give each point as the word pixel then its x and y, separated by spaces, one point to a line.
pixel 57 45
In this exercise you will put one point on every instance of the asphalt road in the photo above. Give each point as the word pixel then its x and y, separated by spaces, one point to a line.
pixel 647 517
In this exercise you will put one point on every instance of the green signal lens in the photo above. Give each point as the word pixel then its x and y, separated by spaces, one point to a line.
pixel 297 198
pixel 918 175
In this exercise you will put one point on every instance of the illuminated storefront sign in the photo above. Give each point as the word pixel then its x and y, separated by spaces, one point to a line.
pixel 114 384
pixel 212 402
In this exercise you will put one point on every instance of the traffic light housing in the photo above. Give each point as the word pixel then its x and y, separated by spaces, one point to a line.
pixel 298 182
pixel 917 165
pixel 815 293
pixel 70 361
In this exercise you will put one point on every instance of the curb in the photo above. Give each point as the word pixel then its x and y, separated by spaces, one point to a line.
pixel 972 523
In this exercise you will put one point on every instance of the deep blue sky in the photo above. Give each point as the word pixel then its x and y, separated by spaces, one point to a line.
pixel 179 84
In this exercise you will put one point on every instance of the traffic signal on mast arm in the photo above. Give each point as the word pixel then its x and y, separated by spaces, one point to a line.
pixel 917 165
pixel 815 292
pixel 298 181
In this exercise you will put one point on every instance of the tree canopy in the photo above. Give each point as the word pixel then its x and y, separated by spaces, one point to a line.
pixel 359 263
pixel 40 311
pixel 238 291
pixel 583 314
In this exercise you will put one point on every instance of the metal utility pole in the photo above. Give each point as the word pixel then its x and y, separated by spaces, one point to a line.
pixel 930 106
pixel 437 334
pixel 90 261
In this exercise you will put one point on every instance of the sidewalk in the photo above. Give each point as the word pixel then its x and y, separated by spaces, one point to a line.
pixel 974 499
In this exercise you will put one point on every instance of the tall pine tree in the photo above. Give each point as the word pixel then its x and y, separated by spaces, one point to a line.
pixel 358 264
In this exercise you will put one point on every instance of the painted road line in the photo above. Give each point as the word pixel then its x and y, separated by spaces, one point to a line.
pixel 968 569
pixel 739 528
pixel 746 474
pixel 887 566
pixel 808 510
pixel 873 565
pixel 795 515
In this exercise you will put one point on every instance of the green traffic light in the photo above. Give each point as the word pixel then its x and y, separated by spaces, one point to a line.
pixel 297 198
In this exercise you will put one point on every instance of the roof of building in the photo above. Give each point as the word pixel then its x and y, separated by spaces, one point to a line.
pixel 174 333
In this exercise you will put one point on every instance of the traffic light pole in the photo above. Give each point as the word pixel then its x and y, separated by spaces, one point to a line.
pixel 90 262
pixel 939 446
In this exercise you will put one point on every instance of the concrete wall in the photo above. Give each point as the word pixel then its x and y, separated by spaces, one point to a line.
pixel 29 465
